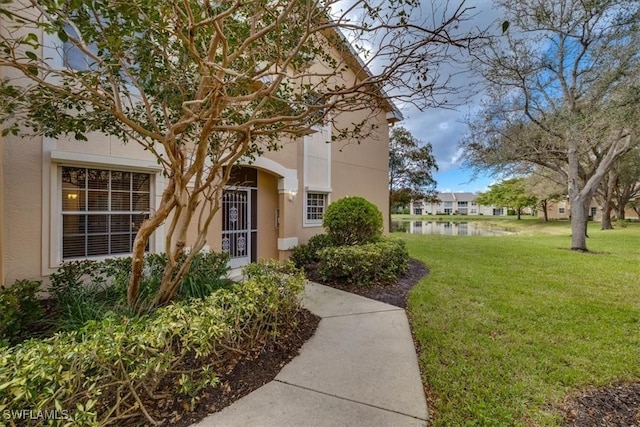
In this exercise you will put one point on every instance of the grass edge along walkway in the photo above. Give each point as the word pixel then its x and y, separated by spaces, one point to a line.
pixel 511 325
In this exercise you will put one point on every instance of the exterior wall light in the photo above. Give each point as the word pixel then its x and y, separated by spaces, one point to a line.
pixel 292 195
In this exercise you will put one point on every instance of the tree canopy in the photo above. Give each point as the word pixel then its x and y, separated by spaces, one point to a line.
pixel 411 167
pixel 511 193
pixel 201 84
pixel 563 94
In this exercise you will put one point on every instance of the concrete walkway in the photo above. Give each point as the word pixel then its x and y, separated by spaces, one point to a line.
pixel 359 369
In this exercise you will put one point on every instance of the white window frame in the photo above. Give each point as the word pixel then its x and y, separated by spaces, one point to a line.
pixel 109 192
pixel 315 222
pixel 52 199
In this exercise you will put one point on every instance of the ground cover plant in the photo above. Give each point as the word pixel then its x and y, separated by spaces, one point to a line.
pixel 510 327
pixel 115 369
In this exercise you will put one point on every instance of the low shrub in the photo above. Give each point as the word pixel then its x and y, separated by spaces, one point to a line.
pixel 19 309
pixel 105 372
pixel 88 290
pixel 353 221
pixel 307 253
pixel 373 263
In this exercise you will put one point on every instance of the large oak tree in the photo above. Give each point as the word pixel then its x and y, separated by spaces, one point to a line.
pixel 563 94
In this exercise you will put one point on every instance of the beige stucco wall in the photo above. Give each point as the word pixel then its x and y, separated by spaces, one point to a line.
pixel 267 205
pixel 22 208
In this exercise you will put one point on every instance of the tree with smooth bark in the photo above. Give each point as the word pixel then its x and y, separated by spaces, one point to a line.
pixel 562 93
pixel 202 84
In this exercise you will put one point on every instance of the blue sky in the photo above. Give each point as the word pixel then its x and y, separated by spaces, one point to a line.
pixel 444 128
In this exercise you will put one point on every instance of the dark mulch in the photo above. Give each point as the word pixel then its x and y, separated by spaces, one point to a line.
pixel 618 405
pixel 244 375
pixel 391 293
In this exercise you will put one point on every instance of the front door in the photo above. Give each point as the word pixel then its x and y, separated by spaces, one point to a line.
pixel 236 225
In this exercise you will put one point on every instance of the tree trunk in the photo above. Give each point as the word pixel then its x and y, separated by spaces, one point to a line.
pixel 519 212
pixel 606 219
pixel 577 203
pixel 545 210
pixel 140 242
pixel 579 221
pixel 610 183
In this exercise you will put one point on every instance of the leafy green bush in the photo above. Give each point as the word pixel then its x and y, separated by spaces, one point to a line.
pixel 19 308
pixel 106 371
pixel 373 263
pixel 307 253
pixel 353 221
pixel 89 290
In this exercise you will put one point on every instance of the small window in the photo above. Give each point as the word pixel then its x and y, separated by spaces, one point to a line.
pixel 73 57
pixel 102 210
pixel 316 205
pixel 561 210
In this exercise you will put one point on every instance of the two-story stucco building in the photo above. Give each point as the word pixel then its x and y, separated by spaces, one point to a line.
pixel 63 199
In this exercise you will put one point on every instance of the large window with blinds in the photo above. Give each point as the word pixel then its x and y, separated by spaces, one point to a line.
pixel 102 210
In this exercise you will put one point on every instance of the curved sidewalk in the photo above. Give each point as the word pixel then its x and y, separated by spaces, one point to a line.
pixel 359 369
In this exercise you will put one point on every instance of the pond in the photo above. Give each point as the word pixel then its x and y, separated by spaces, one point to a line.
pixel 452 228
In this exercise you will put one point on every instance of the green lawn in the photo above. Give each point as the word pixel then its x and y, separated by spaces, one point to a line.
pixel 510 325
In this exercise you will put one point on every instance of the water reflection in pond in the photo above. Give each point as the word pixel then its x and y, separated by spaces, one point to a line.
pixel 452 228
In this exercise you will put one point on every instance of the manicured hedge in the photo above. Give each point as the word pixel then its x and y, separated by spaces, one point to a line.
pixel 373 263
pixel 307 253
pixel 103 372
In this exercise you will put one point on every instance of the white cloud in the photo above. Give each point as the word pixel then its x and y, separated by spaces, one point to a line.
pixel 444 128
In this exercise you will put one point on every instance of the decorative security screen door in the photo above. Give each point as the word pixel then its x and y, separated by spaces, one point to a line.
pixel 236 226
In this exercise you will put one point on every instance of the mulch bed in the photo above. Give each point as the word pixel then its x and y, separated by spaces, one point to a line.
pixel 391 293
pixel 618 405
pixel 248 374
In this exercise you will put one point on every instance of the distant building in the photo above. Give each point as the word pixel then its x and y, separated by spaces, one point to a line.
pixel 454 204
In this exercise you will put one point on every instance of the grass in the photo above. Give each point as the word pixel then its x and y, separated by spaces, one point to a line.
pixel 511 325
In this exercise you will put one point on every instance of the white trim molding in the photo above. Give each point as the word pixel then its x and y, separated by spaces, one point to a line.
pixel 287 243
pixel 100 161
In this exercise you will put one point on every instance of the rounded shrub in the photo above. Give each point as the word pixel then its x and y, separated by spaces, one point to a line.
pixel 353 221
